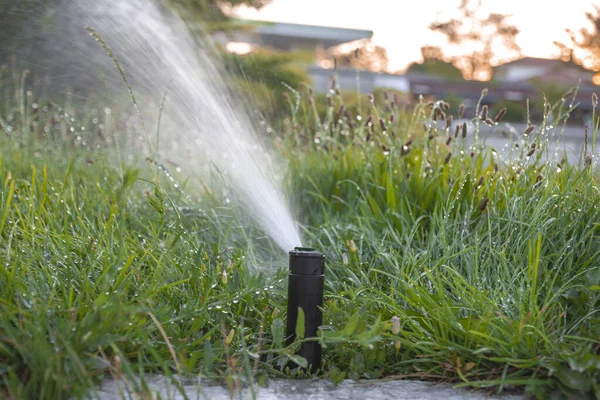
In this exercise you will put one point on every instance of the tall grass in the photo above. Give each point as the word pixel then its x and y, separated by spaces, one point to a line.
pixel 491 267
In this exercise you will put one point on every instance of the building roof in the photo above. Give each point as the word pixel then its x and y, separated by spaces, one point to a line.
pixel 551 70
pixel 327 33
pixel 543 63
pixel 532 62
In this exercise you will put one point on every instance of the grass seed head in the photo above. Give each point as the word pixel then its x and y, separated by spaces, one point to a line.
pixel 531 151
pixel 594 100
pixel 464 130
pixel 448 157
pixel 539 178
pixel 229 337
pixel 461 111
pixel 483 204
pixel 484 112
pixel 352 246
pixel 529 129
pixel 395 325
pixel 500 115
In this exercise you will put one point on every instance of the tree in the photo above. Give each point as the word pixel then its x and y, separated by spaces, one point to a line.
pixel 475 40
pixel 584 46
pixel 360 54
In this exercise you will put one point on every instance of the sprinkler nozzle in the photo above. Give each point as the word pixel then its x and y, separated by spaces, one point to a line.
pixel 305 291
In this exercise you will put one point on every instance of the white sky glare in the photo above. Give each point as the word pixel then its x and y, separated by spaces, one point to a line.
pixel 401 26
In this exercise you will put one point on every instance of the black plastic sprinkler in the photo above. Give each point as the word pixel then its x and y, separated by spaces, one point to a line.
pixel 305 291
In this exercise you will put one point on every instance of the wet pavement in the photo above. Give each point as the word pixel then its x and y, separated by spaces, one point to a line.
pixel 290 389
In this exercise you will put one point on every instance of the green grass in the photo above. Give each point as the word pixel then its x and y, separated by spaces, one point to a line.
pixel 108 270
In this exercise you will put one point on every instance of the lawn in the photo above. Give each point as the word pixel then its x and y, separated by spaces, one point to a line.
pixel 113 267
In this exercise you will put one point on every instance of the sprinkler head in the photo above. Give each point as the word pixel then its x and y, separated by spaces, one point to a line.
pixel 305 290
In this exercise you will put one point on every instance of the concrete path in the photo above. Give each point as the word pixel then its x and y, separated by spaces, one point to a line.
pixel 289 389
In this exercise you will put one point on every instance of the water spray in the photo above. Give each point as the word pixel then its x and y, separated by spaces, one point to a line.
pixel 305 291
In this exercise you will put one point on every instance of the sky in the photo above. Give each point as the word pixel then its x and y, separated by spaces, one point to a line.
pixel 401 26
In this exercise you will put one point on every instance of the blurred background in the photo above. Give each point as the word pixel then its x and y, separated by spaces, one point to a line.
pixel 443 49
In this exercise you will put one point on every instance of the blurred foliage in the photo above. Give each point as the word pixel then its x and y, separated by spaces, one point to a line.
pixel 434 64
pixel 263 74
pixel 437 68
pixel 215 14
pixel 549 92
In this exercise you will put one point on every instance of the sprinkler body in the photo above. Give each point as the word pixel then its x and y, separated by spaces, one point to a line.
pixel 305 291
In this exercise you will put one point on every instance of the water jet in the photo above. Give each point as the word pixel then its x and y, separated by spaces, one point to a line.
pixel 186 109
